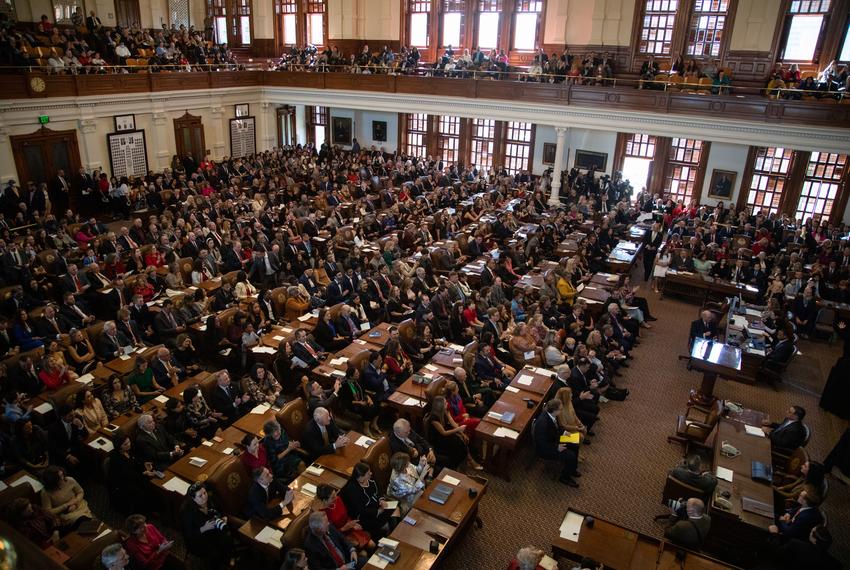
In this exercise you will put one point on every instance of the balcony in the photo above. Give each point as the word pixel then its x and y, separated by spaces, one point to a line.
pixel 743 104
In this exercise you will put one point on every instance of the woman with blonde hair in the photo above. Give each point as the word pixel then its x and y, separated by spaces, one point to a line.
pixel 568 420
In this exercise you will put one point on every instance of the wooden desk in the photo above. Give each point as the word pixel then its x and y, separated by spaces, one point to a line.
pixel 460 506
pixel 426 529
pixel 622 257
pixel 278 334
pixel 183 469
pixel 410 558
pixel 253 423
pixel 540 383
pixel 383 336
pixel 612 545
pixel 123 366
pixel 412 412
pixel 502 448
pixel 345 458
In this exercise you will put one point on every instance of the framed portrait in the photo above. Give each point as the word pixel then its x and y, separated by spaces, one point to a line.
pixel 379 131
pixel 341 130
pixel 125 123
pixel 586 159
pixel 722 184
pixel 242 110
pixel 549 152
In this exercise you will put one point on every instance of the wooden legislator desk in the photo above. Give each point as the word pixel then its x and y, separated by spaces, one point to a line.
pixel 623 549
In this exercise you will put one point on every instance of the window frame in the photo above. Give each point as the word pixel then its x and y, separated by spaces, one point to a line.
pixel 312 8
pixel 773 177
pixel 523 8
pixel 318 116
pixel 419 7
pixel 660 9
pixel 478 138
pixel 511 142
pixel 787 24
pixel 826 161
pixel 489 7
pixel 412 123
pixel 679 148
pixel 693 30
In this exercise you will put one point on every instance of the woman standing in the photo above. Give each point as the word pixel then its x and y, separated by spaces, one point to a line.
pixel 363 501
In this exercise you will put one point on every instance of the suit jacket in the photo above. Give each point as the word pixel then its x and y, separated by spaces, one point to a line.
pixel 335 293
pixel 655 243
pixel 699 328
pixel 45 329
pixel 68 285
pixel 61 444
pixel 71 315
pixel 344 329
pixel 163 326
pixel 160 373
pixel 313 442
pixel 704 481
pixel 781 353
pixel 800 554
pixel 547 436
pixel 744 274
pixel 318 556
pixel 803 520
pixel 791 436
pixel 690 533
pixel 258 500
pixel 420 445
pixel 107 346
pixel 156 449
pixel 302 353
pixel 486 368
pixel 220 401
pixel 126 327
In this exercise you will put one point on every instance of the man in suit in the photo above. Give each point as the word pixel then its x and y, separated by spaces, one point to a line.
pixel 126 241
pixel 75 313
pixel 111 343
pixel 66 438
pixel 50 325
pixel 263 490
pixel 75 281
pixel 326 548
pixel 585 389
pixel 264 268
pixel 798 521
pixel 791 433
pixel 689 528
pixel 375 380
pixel 807 554
pixel 166 371
pixel 488 274
pixel 704 327
pixel 155 445
pixel 547 443
pixel 169 323
pixel 476 247
pixel 781 353
pixel 321 435
pixel 740 273
pixel 228 399
pixel 130 328
pixel 306 350
pixel 404 439
pixel 61 189
pixel 651 242
pixel 346 323
pixel 336 292
pixel 690 472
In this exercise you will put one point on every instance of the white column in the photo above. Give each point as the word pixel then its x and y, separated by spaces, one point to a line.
pixel 88 127
pixel 554 199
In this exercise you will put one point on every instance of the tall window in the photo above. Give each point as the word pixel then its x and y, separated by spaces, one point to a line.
pixel 526 20
pixel 286 13
pixel 448 139
pixel 489 14
pixel 637 159
pixel 517 146
pixel 708 23
pixel 483 143
pixel 682 167
pixel 419 12
pixel 656 32
pixel 770 175
pixel 217 10
pixel 821 185
pixel 315 15
pixel 63 9
pixel 804 27
pixel 415 143
pixel 453 20
pixel 242 22
pixel 844 55
pixel 318 119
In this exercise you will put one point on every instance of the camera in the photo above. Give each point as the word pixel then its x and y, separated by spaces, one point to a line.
pixel 219 524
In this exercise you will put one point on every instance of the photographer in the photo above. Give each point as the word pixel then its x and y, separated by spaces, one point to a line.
pixel 205 528
pixel 688 526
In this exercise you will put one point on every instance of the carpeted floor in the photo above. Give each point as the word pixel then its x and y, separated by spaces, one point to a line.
pixel 625 467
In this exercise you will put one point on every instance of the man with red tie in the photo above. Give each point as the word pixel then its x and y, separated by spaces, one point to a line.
pixel 326 547
pixel 306 350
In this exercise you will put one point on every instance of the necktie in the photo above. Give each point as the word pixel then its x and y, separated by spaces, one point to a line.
pixel 309 349
pixel 334 551
pixel 132 335
pixel 77 284
pixel 325 435
pixel 80 312
pixel 131 243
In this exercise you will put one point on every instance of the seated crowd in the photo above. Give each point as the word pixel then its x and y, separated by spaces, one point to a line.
pixel 789 83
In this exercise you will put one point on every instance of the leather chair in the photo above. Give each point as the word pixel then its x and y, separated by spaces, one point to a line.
pixel 184 265
pixel 791 471
pixel 676 489
pixel 518 355
pixel 780 456
pixel 279 300
pixel 231 483
pixel 229 277
pixel 407 330
pixel 435 388
pixel 131 427
pixel 207 385
pixel 293 417
pixel 66 394
pixel 360 359
pixel 294 534
pixel 469 353
pixel 46 258
pixel 226 317
pixel 697 423
pixel 378 458
pixel 94 331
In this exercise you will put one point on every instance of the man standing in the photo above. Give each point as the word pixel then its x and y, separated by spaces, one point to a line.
pixel 651 242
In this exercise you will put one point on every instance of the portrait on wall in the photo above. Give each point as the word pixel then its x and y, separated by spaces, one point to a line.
pixel 722 183
pixel 341 130
pixel 379 131
pixel 549 151
pixel 586 160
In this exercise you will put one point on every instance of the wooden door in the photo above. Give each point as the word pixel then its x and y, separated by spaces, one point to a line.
pixel 41 155
pixel 127 13
pixel 189 136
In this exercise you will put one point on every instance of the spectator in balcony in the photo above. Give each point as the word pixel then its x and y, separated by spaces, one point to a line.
pixel 710 69
pixel 720 84
pixel 93 22
pixel 122 53
pixel 678 66
pixel 648 71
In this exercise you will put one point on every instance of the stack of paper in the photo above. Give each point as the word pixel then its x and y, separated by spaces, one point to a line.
pixel 752 430
pixel 431 367
pixel 548 563
pixel 306 317
pixel 512 389
pixel 207 443
pixel 263 350
pixel 364 441
pixel 506 432
pixel 412 402
pixel 543 371
pixel 44 408
pixel 270 536
pixel 261 409
pixel 449 480
pixel 309 489
pixel 228 451
pixel 376 561
pixel 277 338
pixel 162 399
pixel 286 330
pixel 339 361
pixel 34 483
pixel 314 470
pixel 86 378
pixel 494 415
pixel 525 380
pixel 103 444
pixel 571 527
pixel 177 485
pixel 197 461
pixel 725 474
pixel 359 341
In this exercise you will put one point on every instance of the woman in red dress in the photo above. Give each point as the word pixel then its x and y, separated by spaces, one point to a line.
pixel 329 502
pixel 146 545
pixel 255 455
pixel 458 411
pixel 144 288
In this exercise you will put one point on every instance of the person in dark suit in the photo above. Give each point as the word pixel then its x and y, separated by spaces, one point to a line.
pixel 704 327
pixel 404 439
pixel 651 242
pixel 263 490
pixel 585 389
pixel 347 324
pixel 168 323
pixel 375 379
pixel 547 443
pixel 154 444
pixel 689 527
pixel 806 554
pixel 306 350
pixel 690 472
pixel 326 548
pixel 166 370
pixel 228 399
pixel 798 521
pixel 327 334
pixel 264 269
pixel 805 313
pixel 683 261
pixel 336 292
pixel 66 438
pixel 51 325
pixel 76 313
pixel 791 433
pixel 781 353
pixel 111 343
pixel 740 273
pixel 75 281
pixel 321 435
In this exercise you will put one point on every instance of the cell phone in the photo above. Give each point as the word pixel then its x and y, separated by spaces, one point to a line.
pixel 112 427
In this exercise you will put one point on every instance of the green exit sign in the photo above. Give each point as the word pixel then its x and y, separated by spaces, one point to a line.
pixel 43 119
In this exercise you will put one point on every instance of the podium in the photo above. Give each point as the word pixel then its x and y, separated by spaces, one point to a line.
pixel 713 359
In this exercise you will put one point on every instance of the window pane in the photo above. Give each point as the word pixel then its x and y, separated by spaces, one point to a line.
pixel 221 30
pixel 525 34
pixel 656 32
pixel 451 29
pixel 681 169
pixel 419 30
pixel 289 33
pixel 821 185
pixel 845 51
pixel 245 29
pixel 803 38
pixel 770 172
pixel 315 29
pixel 488 30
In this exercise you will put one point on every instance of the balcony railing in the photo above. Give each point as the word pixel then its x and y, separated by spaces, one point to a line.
pixel 663 95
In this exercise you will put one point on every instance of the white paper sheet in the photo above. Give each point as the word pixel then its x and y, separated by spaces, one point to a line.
pixel 528 355
pixel 494 415
pixel 261 409
pixel 44 408
pixel 228 451
pixel 378 562
pixel 86 378
pixel 725 474
pixel 548 563
pixel 197 461
pixel 34 483
pixel 309 489
pixel 571 527
pixel 306 317
pixel 431 367
pixel 162 399
pixel 102 443
pixel 102 534
pixel 314 470
pixel 512 389
pixel 270 536
pixel 207 443
pixel 177 485
pixel 278 338
pixel 753 430
pixel 525 380
pixel 364 441
pixel 506 432
pixel 412 402
pixel 263 350
pixel 449 480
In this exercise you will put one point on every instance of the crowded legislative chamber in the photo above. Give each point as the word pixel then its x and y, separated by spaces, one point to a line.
pixel 409 284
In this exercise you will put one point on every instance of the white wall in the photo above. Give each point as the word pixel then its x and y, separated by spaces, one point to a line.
pixel 362 126
pixel 724 156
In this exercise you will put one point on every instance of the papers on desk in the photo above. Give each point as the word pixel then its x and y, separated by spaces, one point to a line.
pixel 207 443
pixel 228 451
pixel 756 351
pixel 309 489
pixel 506 432
pixel 3 486
pixel 225 351
pixel 539 370
pixel 494 415
pixel 431 367
pixel 278 338
pixel 86 378
pixel 197 461
pixel 263 350
pixel 456 347
pixel 752 313
pixel 286 330
pixel 173 292
pixel 271 536
pixel 314 470
pixel 177 485
pixel 124 357
pixel 753 430
pixel 391 505
pixel 103 444
pixel 571 527
pixel 525 380
pixel 412 402
pixel 548 563
pixel 338 373
pixel 378 562
pixel 364 441
pixel 365 326
pixel 359 341
pixel 102 534
pixel 449 480
pixel 261 409
pixel 338 361
pixel 161 399
pixel 512 389
pixel 34 483
pixel 43 408
pixel 725 474
pixel 202 327
pixel 306 317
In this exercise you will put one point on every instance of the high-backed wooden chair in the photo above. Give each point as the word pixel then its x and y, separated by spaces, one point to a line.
pixel 184 265
pixel 231 483
pixel 697 423
pixel 279 300
pixel 293 417
pixel 294 534
pixel 676 489
pixel 378 458
pixel 407 330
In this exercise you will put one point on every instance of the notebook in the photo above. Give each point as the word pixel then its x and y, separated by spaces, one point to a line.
pixel 762 472
pixel 441 494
